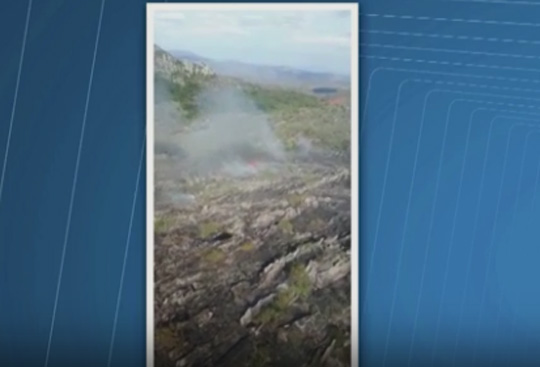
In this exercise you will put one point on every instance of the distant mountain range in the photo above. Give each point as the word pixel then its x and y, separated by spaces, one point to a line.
pixel 268 74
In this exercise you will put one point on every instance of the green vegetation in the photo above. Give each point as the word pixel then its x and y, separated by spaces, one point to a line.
pixel 260 357
pixel 299 287
pixel 184 90
pixel 290 144
pixel 270 99
pixel 274 311
pixel 293 113
pixel 208 229
pixel 286 226
pixel 296 199
pixel 186 95
pixel 325 126
pixel 301 284
pixel 247 246
pixel 268 174
pixel 163 224
pixel 214 256
pixel 316 224
pixel 167 338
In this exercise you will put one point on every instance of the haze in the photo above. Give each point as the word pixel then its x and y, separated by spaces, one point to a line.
pixel 315 40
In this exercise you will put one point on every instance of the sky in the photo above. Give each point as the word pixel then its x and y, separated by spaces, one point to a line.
pixel 315 40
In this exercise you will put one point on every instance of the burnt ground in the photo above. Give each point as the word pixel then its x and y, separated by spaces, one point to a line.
pixel 254 269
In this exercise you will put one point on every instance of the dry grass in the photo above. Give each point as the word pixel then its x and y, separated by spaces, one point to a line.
pixel 247 246
pixel 167 338
pixel 208 229
pixel 298 287
pixel 214 256
pixel 296 199
pixel 163 224
pixel 286 226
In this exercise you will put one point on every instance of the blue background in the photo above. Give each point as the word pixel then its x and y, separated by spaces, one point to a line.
pixel 449 245
pixel 450 156
pixel 35 215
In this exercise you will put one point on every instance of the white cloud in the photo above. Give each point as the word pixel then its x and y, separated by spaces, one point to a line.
pixel 171 24
pixel 324 40
pixel 170 16
pixel 222 29
pixel 291 38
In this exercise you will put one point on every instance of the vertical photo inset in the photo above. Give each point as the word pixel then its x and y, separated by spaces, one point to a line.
pixel 251 155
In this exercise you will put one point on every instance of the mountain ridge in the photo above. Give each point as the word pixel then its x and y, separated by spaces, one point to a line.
pixel 267 74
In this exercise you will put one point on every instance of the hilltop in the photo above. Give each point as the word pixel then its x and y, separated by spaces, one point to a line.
pixel 268 74
pixel 294 113
pixel 251 222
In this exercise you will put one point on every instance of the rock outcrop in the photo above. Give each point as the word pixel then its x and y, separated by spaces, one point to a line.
pixel 255 271
pixel 177 70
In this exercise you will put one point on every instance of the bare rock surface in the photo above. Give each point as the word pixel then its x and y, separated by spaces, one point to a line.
pixel 254 270
pixel 252 222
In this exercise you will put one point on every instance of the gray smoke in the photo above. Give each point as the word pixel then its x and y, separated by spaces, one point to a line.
pixel 231 134
pixel 230 137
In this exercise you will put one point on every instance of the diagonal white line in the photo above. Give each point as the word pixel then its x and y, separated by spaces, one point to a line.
pixel 452 36
pixel 448 50
pixel 536 180
pixel 435 82
pixel 74 185
pixel 477 38
pixel 452 235
pixel 15 98
pixel 371 260
pixel 126 251
pixel 363 121
pixel 501 2
pixel 490 247
pixel 516 202
pixel 456 20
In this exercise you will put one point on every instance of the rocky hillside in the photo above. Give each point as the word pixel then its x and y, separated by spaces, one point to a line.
pixel 268 74
pixel 252 224
pixel 178 71
pixel 294 114
pixel 255 271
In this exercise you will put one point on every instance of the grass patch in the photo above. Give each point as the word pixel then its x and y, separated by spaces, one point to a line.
pixel 208 229
pixel 325 126
pixel 296 199
pixel 310 178
pixel 214 256
pixel 316 224
pixel 247 246
pixel 299 287
pixel 290 145
pixel 286 226
pixel 275 310
pixel 285 298
pixel 296 114
pixel 300 282
pixel 163 224
pixel 184 88
pixel 186 95
pixel 195 187
pixel 270 99
pixel 293 113
pixel 268 174
pixel 261 357
pixel 167 338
